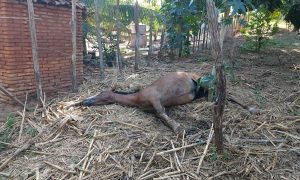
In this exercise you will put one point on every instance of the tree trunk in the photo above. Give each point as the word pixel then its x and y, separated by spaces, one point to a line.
pixel 137 36
pixel 99 36
pixel 118 52
pixel 150 39
pixel 35 59
pixel 218 108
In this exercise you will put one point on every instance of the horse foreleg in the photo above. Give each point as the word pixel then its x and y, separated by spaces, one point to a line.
pixel 161 113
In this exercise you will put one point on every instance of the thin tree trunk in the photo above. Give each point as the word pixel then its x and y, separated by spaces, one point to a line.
pixel 150 39
pixel 99 36
pixel 162 37
pixel 204 36
pixel 35 59
pixel 199 39
pixel 73 63
pixel 155 35
pixel 218 108
pixel 207 35
pixel 194 41
pixel 181 42
pixel 118 52
pixel 137 37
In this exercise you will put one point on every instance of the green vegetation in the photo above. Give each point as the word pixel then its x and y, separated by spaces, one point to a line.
pixel 5 135
pixel 261 26
pixel 31 131
pixel 259 97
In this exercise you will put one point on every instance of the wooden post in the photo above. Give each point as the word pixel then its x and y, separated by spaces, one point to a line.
pixel 118 52
pixel 99 35
pixel 218 108
pixel 137 36
pixel 73 62
pixel 35 59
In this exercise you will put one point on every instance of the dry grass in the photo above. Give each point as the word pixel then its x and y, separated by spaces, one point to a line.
pixel 116 142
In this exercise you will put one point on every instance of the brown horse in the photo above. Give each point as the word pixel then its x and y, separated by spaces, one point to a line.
pixel 173 89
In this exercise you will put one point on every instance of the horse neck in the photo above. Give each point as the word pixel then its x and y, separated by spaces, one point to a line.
pixel 128 99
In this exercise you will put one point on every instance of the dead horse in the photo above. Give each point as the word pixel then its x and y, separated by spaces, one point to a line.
pixel 175 88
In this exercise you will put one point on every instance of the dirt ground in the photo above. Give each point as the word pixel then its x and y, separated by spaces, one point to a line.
pixel 116 142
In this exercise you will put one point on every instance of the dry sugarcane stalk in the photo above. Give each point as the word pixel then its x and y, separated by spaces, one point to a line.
pixel 211 132
pixel 85 162
pixel 144 176
pixel 23 118
pixel 262 140
pixel 150 161
pixel 179 148
pixel 58 167
pixel 177 162
pixel 26 146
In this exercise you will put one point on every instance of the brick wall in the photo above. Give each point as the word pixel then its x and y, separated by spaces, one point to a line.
pixel 54 47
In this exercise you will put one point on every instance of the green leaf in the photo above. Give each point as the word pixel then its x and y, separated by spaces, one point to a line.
pixel 206 81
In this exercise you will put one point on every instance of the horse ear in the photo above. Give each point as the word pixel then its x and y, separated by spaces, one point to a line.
pixel 213 71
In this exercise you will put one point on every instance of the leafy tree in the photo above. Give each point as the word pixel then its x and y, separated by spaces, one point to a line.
pixel 293 16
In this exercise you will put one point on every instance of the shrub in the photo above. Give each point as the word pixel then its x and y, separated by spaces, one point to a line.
pixel 261 25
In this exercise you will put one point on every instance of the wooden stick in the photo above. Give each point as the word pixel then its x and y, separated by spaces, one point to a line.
pixel 23 118
pixel 211 132
pixel 74 46
pixel 35 59
pixel 9 94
